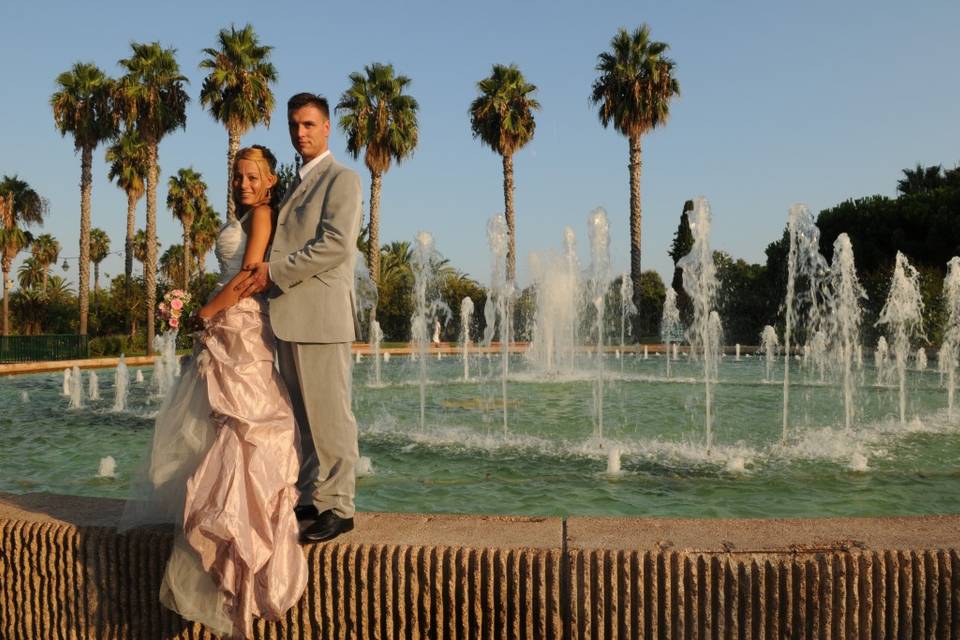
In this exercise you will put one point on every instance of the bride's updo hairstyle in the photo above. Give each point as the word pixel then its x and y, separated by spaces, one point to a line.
pixel 267 164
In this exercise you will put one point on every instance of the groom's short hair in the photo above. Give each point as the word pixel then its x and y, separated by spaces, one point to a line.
pixel 312 99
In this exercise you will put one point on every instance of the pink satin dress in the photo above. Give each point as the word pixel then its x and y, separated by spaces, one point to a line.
pixel 236 556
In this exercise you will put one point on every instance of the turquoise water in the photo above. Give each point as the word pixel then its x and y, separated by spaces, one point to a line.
pixel 550 460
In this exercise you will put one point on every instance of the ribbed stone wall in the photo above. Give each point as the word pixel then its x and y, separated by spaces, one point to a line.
pixel 846 594
pixel 65 575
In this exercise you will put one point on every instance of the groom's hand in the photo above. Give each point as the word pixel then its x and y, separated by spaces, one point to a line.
pixel 257 280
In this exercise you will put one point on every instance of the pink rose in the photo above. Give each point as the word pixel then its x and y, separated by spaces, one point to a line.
pixel 174 323
pixel 162 307
pixel 176 304
pixel 177 292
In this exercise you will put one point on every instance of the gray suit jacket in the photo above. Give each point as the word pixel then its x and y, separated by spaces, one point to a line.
pixel 313 257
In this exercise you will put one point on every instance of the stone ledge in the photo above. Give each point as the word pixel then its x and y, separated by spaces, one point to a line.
pixel 66 573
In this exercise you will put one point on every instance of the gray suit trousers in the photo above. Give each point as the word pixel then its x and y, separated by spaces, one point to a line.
pixel 319 380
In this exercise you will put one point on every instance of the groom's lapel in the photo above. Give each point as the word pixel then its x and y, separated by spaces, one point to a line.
pixel 294 195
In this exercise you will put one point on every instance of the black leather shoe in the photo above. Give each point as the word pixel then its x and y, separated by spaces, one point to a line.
pixel 306 512
pixel 327 526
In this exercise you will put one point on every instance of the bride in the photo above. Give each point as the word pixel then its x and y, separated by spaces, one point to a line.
pixel 224 458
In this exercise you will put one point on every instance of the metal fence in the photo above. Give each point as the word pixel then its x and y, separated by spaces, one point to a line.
pixel 34 348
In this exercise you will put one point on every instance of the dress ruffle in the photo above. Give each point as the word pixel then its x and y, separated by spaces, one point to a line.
pixel 236 555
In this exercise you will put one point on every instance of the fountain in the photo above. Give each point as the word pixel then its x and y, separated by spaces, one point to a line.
pixel 424 259
pixel 466 317
pixel 627 310
pixel 700 283
pixel 121 382
pixel 881 355
pixel 599 231
pixel 107 468
pixel 737 352
pixel 903 316
pixel 376 339
pixel 386 357
pixel 803 260
pixel 76 388
pixel 93 386
pixel 166 366
pixel 497 306
pixel 921 360
pixel 669 324
pixel 846 316
pixel 950 347
pixel 613 461
pixel 768 345
pixel 66 382
pixel 553 343
pixel 24 397
pixel 139 376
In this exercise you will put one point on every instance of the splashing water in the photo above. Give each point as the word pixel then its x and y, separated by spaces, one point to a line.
pixel 93 386
pixel 598 228
pixel 700 283
pixel 139 376
pixel 768 345
pixel 921 360
pixel 498 302
pixel 428 306
pixel 466 317
pixel 903 316
pixel 76 388
pixel 107 468
pixel 556 286
pixel 120 384
pixel 846 316
pixel 627 310
pixel 950 347
pixel 881 357
pixel 669 324
pixel 803 260
pixel 376 339
pixel 66 382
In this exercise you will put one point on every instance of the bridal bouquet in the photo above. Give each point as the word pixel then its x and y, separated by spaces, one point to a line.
pixel 172 308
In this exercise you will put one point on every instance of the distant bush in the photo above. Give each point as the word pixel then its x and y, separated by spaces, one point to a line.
pixel 114 345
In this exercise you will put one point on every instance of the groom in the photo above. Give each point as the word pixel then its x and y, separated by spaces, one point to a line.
pixel 309 284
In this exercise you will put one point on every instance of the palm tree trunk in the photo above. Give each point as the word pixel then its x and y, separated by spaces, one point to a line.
pixel 131 229
pixel 508 214
pixel 636 217
pixel 83 284
pixel 96 277
pixel 150 266
pixel 6 301
pixel 187 224
pixel 373 241
pixel 232 148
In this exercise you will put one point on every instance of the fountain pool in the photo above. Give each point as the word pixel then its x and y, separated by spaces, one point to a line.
pixel 549 462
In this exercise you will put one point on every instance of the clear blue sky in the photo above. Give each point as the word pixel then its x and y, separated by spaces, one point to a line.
pixel 781 102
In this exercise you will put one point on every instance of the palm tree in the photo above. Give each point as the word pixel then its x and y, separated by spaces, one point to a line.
pixel 128 167
pixel 187 199
pixel 381 120
pixel 153 101
pixel 19 205
pixel 205 229
pixel 140 248
pixel 46 251
pixel 172 265
pixel 99 250
pixel 502 117
pixel 82 107
pixel 633 92
pixel 920 179
pixel 237 89
pixel 31 274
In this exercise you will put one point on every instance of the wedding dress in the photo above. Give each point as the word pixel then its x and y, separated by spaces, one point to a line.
pixel 223 467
